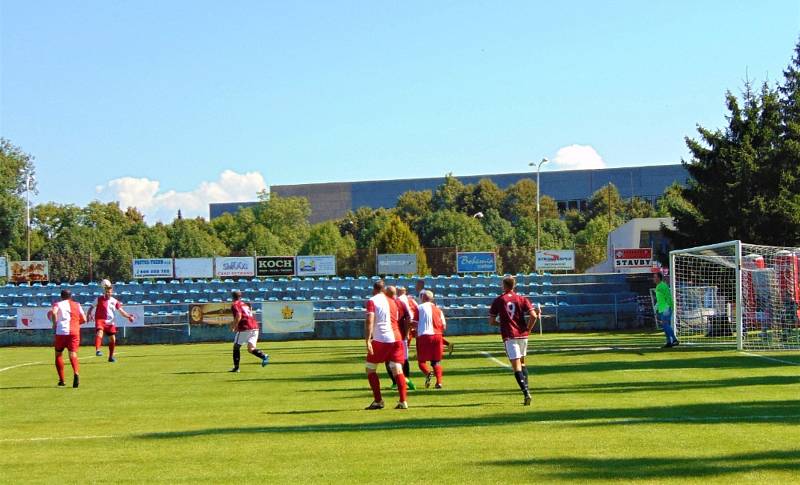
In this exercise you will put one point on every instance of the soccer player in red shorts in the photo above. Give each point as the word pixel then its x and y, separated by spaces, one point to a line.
pixel 406 306
pixel 103 313
pixel 511 309
pixel 67 317
pixel 430 331
pixel 420 286
pixel 384 343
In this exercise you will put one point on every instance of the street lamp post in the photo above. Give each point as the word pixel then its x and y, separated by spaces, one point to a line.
pixel 28 212
pixel 538 169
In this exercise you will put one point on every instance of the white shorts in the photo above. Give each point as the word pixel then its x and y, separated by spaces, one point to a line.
pixel 246 337
pixel 516 348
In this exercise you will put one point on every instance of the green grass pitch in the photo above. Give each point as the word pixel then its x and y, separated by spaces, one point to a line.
pixel 607 407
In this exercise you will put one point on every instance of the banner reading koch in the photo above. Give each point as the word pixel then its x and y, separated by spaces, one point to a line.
pixel 275 266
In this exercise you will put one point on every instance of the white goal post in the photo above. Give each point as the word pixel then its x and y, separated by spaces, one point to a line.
pixel 736 293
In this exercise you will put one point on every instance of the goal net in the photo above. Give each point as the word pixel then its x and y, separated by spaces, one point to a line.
pixel 736 293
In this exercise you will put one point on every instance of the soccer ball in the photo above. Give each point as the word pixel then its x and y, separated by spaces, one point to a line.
pixel 105 284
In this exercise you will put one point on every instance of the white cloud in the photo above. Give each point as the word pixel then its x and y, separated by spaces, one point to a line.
pixel 576 157
pixel 156 205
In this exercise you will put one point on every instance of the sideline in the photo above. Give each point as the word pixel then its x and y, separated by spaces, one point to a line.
pixel 493 359
pixel 771 358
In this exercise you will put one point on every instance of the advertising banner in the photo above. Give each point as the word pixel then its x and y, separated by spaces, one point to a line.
pixel 234 266
pixel 3 267
pixel 36 318
pixel 316 265
pixel 24 271
pixel 210 314
pixel 274 266
pixel 194 268
pixel 285 317
pixel 551 259
pixel 397 264
pixel 476 263
pixel 633 260
pixel 152 268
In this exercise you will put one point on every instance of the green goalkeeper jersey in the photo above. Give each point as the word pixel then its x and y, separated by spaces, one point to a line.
pixel 663 297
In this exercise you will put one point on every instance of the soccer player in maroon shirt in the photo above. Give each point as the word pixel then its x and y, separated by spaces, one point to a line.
pixel 384 342
pixel 67 317
pixel 511 308
pixel 246 327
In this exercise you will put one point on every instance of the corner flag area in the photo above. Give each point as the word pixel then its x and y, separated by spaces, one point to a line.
pixel 606 407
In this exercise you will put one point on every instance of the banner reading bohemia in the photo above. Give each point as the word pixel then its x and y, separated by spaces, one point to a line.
pixel 397 264
pixel 316 265
pixel 274 266
pixel 28 271
pixel 194 268
pixel 551 259
pixel 238 266
pixel 152 268
pixel 476 263
pixel 286 317
pixel 633 260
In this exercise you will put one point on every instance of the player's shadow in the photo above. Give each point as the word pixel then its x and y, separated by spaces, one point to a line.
pixel 689 362
pixel 582 469
pixel 670 385
pixel 703 414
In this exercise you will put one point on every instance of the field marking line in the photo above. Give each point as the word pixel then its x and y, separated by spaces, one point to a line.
pixel 18 365
pixel 52 438
pixel 496 361
pixel 42 362
pixel 772 359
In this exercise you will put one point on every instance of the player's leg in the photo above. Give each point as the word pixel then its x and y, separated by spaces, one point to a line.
pixel 98 341
pixel 525 371
pixel 73 360
pixel 111 331
pixel 438 371
pixel 407 369
pixel 375 386
pixel 252 342
pixel 402 387
pixel 236 352
pixel 436 357
pixel 59 363
pixel 516 349
pixel 391 376
pixel 450 346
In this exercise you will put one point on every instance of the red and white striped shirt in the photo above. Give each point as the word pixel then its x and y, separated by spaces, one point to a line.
pixel 69 316
pixel 386 327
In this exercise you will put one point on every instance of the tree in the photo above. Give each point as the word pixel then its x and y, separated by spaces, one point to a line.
pixel 447 228
pixel 498 228
pixel 285 217
pixel 637 207
pixel 450 195
pixel 606 202
pixel 192 238
pixel 591 243
pixel 323 238
pixel 483 197
pixel 15 167
pixel 413 206
pixel 520 201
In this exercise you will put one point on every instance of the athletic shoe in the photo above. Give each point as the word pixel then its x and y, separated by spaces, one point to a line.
pixel 401 405
pixel 437 386
pixel 265 360
pixel 75 380
pixel 235 369
pixel 98 353
pixel 667 345
pixel 450 347
pixel 375 405
pixel 527 401
pixel 112 359
pixel 675 343
pixel 410 385
pixel 60 383
pixel 428 379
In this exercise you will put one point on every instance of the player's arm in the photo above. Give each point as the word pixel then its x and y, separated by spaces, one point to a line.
pixel 90 313
pixel 124 313
pixel 369 324
pixel 444 320
pixel 51 315
pixel 237 317
pixel 533 315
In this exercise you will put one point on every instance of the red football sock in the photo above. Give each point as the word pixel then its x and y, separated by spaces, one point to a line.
pixel 76 368
pixel 111 346
pixel 438 370
pixel 401 386
pixel 98 341
pixel 423 366
pixel 375 384
pixel 60 366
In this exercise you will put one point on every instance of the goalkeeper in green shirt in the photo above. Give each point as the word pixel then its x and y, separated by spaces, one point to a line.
pixel 664 309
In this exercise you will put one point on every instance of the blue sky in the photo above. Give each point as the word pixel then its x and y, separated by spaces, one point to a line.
pixel 172 104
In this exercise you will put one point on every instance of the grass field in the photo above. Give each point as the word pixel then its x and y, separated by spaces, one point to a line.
pixel 606 408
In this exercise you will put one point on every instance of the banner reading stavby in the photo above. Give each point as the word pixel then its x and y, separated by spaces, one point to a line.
pixel 316 265
pixel 274 266
pixel 28 271
pixel 397 264
pixel 194 268
pixel 235 266
pixel 286 317
pixel 152 268
pixel 551 259
pixel 633 260
pixel 476 263
pixel 210 314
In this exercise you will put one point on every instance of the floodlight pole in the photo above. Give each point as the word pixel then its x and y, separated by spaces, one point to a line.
pixel 538 169
pixel 28 213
